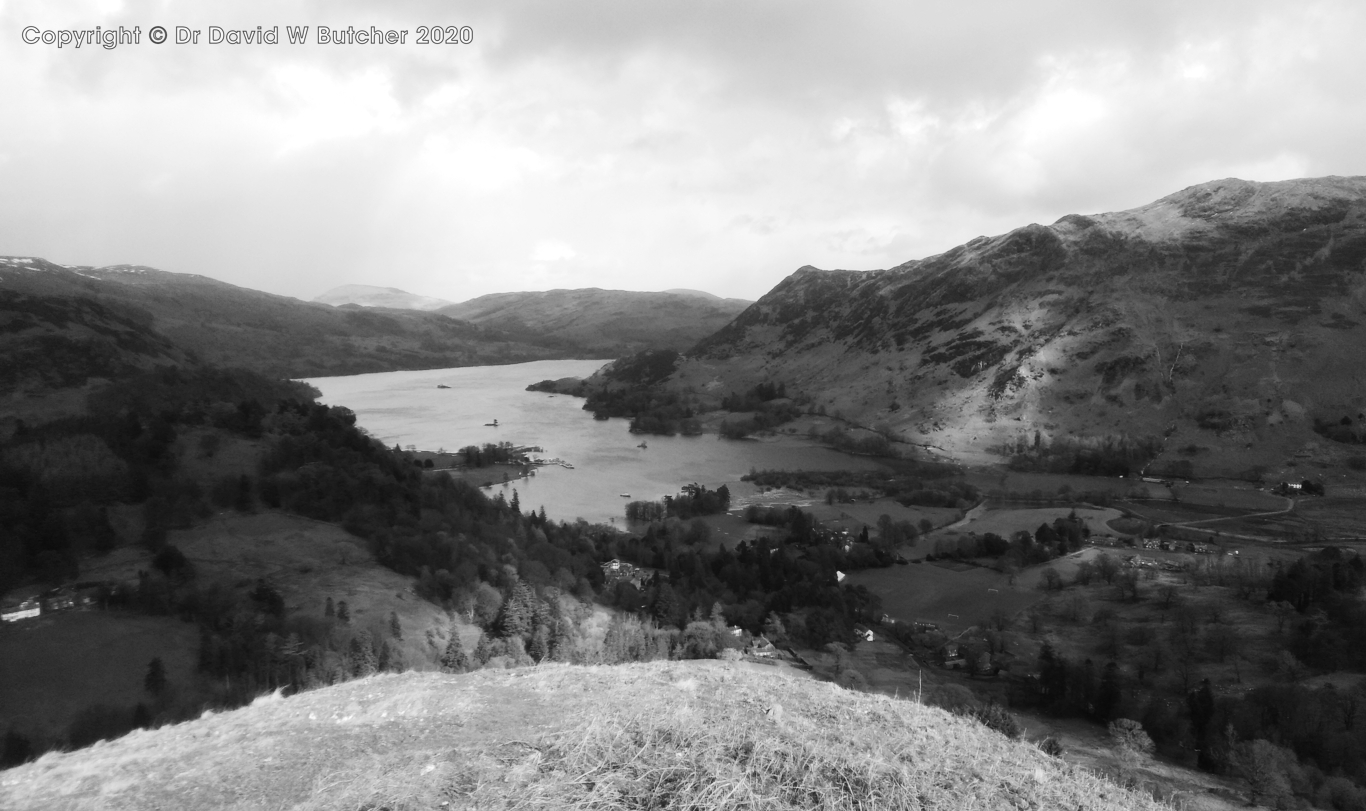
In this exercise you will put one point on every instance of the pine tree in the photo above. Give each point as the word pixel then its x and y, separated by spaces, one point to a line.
pixel 539 649
pixel 395 630
pixel 155 680
pixel 343 613
pixel 454 659
pixel 364 656
pixel 515 618
pixel 483 651
pixel 516 502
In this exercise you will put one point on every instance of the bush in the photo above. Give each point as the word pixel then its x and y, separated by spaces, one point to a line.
pixel 1052 747
pixel 996 717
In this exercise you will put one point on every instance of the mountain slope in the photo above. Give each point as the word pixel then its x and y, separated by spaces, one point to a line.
pixel 617 322
pixel 1226 316
pixel 50 340
pixel 226 325
pixel 702 735
pixel 369 296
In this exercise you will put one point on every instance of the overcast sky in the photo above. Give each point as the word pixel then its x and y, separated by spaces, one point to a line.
pixel 644 144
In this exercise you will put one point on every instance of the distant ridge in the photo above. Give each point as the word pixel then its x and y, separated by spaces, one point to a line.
pixel 1223 320
pixel 370 296
pixel 615 322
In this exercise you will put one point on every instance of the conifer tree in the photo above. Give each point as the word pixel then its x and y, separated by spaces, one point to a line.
pixel 454 659
pixel 515 618
pixel 483 651
pixel 343 613
pixel 395 629
pixel 539 649
pixel 155 680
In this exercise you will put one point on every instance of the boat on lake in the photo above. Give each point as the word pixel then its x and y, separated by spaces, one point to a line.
pixel 493 424
pixel 625 495
pixel 642 445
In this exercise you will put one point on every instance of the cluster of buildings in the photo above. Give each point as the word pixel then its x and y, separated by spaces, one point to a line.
pixel 616 570
pixel 81 596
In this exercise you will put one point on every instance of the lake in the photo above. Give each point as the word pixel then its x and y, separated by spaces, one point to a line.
pixel 407 409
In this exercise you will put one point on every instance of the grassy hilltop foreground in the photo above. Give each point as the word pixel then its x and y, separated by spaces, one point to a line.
pixel 699 735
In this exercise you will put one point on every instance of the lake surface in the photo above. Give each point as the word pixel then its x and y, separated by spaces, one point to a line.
pixel 407 408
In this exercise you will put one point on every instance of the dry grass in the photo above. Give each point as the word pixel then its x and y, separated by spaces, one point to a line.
pixel 684 735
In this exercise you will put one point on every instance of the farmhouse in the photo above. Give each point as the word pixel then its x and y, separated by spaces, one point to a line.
pixel 615 570
pixel 952 655
pixel 15 611
pixel 760 646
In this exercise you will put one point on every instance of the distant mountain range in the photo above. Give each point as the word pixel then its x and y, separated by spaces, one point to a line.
pixel 366 295
pixel 62 325
pixel 608 321
pixel 1225 318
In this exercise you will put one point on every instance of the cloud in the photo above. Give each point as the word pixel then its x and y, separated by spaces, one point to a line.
pixel 713 145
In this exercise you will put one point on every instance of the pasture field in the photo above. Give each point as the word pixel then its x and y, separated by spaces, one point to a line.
pixel 61 663
pixel 925 591
pixel 988 479
pixel 1007 520
pixel 1336 516
pixel 1168 512
pixel 854 516
pixel 1234 496
pixel 307 561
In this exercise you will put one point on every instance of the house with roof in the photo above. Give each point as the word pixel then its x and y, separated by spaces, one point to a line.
pixel 761 647
pixel 22 610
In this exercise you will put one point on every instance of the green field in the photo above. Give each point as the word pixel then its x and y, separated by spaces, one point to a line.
pixel 924 591
pixel 1007 521
pixel 55 666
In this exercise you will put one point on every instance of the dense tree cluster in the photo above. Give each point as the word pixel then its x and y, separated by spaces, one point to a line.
pixel 694 500
pixel 1103 456
pixel 911 483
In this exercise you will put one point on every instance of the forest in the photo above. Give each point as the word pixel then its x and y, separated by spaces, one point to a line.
pixel 528 583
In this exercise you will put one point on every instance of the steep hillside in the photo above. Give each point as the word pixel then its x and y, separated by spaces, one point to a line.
pixel 51 337
pixel 612 321
pixel 369 296
pixel 227 325
pixel 1225 318
pixel 701 735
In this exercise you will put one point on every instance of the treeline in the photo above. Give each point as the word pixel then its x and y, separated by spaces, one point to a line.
pixel 630 391
pixel 58 480
pixel 1345 430
pixel 756 581
pixel 755 398
pixel 1063 537
pixel 489 454
pixel 1288 739
pixel 769 406
pixel 1103 456
pixel 925 484
pixel 651 411
pixel 694 500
